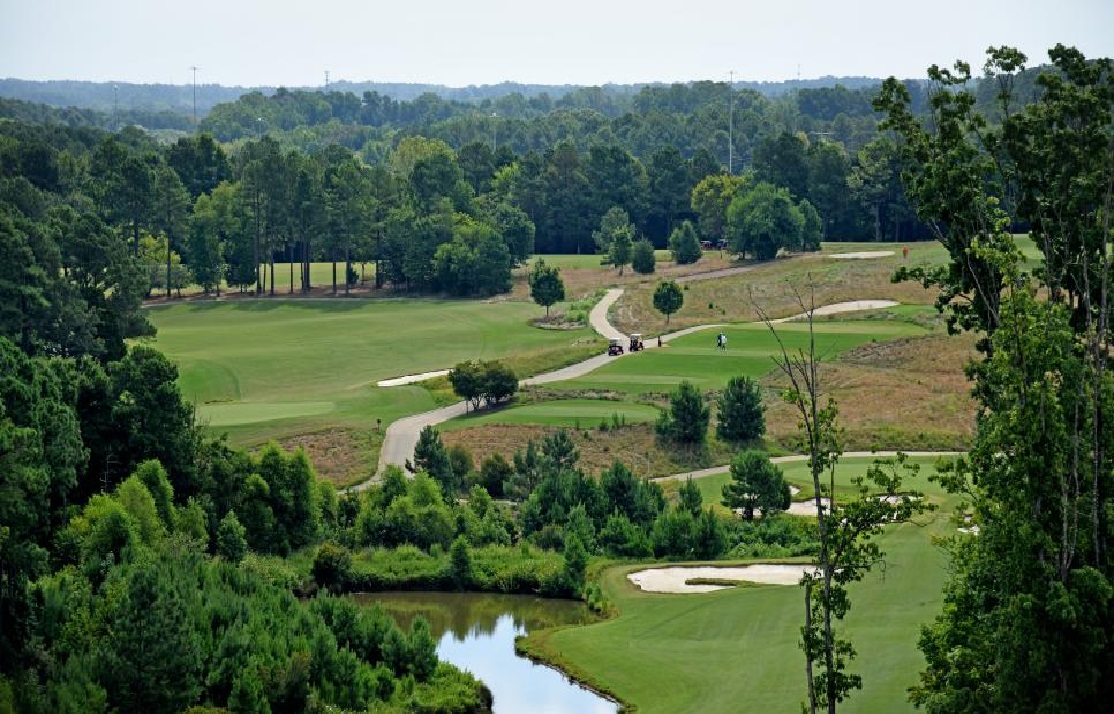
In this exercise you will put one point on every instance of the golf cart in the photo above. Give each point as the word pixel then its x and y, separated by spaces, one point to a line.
pixel 615 347
pixel 636 342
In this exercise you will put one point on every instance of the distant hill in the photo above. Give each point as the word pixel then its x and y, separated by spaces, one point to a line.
pixel 178 98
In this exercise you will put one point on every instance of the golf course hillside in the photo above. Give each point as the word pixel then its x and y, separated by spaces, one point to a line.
pixel 263 369
pixel 896 374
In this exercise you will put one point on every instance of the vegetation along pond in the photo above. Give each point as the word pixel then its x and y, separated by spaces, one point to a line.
pixel 476 632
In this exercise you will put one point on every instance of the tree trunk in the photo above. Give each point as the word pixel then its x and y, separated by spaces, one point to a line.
pixel 290 260
pixel 808 660
pixel 272 264
pixel 168 265
pixel 334 275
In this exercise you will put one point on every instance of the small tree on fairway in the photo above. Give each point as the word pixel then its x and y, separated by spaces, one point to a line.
pixel 756 483
pixel 668 298
pixel 642 258
pixel 499 382
pixel 684 244
pixel 740 415
pixel 467 381
pixel 546 286
pixel 686 422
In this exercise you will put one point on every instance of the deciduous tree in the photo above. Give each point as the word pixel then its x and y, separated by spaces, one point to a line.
pixel 546 286
pixel 668 298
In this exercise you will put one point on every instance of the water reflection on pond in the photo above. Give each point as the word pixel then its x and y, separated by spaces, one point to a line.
pixel 476 632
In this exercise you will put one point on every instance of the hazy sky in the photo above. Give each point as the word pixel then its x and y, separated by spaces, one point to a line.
pixel 462 42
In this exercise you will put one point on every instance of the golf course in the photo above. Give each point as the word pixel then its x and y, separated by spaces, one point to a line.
pixel 291 369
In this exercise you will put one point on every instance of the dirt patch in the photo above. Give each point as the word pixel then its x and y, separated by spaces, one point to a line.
pixel 340 456
pixel 675 579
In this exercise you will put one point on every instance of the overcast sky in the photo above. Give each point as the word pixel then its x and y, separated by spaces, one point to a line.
pixel 463 42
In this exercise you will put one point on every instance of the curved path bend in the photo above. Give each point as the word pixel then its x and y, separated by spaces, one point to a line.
pixel 402 435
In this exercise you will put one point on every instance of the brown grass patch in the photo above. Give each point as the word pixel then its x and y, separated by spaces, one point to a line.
pixel 906 394
pixel 771 285
pixel 635 445
pixel 341 457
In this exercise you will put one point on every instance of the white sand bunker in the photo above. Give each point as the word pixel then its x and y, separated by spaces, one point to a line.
pixel 862 255
pixel 673 579
pixel 411 378
pixel 839 307
pixel 807 508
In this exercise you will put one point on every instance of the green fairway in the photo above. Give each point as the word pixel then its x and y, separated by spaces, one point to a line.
pixel 260 368
pixel 566 412
pixel 737 650
pixel 797 474
pixel 751 350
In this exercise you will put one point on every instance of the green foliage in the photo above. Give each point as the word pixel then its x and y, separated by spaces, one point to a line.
pixel 756 484
pixel 332 566
pixel 668 298
pixel 686 422
pixel 684 244
pixel 483 382
pixel 740 415
pixel 431 457
pixel 619 253
pixel 152 658
pixel 232 545
pixel 763 221
pixel 546 286
pixel 495 471
pixel 689 498
pixel 643 260
pixel 576 562
pixel 460 563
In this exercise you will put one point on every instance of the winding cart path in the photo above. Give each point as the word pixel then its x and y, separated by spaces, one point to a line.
pixel 402 435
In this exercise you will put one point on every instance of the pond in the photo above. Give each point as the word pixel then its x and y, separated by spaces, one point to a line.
pixel 476 633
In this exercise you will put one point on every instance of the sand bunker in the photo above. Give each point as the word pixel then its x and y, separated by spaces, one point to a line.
pixel 862 255
pixel 840 307
pixel 672 580
pixel 806 508
pixel 411 378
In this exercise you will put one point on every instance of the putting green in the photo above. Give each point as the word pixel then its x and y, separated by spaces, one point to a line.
pixel 564 412
pixel 252 412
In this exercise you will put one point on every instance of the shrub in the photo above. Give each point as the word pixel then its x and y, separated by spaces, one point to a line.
pixel 642 259
pixel 684 244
